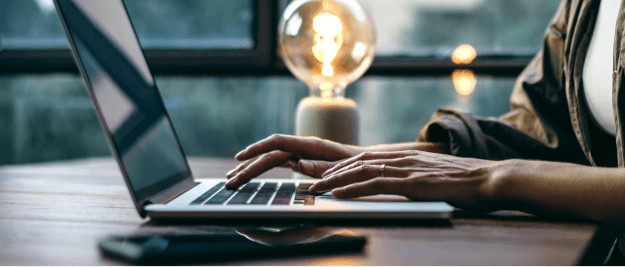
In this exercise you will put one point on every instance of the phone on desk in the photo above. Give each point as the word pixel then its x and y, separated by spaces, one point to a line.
pixel 159 249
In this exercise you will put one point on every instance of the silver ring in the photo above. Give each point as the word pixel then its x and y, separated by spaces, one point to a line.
pixel 382 170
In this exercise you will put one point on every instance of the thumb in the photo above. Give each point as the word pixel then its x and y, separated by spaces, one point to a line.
pixel 314 168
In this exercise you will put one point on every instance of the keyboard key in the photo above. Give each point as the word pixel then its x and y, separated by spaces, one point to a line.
pixel 306 200
pixel 250 187
pixel 240 198
pixel 302 196
pixel 269 187
pixel 281 201
pixel 303 188
pixel 207 194
pixel 220 197
pixel 287 185
pixel 261 198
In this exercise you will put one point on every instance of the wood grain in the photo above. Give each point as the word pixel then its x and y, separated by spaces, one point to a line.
pixel 54 213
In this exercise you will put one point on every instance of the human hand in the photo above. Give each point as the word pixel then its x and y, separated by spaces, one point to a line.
pixel 286 151
pixel 467 183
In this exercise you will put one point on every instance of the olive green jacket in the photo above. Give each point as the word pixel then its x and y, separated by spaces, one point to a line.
pixel 549 118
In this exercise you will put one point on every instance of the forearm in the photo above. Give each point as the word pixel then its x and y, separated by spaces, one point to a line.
pixel 562 189
pixel 440 148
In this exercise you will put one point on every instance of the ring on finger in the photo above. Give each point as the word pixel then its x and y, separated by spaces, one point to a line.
pixel 382 167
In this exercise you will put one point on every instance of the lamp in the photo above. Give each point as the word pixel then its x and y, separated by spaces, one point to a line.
pixel 327 44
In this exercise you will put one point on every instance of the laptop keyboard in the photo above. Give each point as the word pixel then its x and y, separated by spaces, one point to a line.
pixel 255 194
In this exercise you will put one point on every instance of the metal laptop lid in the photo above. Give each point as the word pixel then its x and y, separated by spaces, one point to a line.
pixel 130 108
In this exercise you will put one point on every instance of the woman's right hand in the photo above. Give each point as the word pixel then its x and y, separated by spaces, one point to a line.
pixel 286 151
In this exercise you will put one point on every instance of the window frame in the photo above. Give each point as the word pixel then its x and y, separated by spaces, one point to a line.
pixel 260 60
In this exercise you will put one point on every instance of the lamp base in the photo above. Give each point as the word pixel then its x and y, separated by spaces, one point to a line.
pixel 328 118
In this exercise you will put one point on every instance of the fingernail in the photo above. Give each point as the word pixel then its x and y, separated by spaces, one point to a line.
pixel 229 184
pixel 238 155
pixel 230 173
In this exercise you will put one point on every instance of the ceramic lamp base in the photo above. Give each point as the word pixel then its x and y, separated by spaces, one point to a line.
pixel 328 118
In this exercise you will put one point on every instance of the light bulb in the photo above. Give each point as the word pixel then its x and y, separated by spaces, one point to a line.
pixel 327 44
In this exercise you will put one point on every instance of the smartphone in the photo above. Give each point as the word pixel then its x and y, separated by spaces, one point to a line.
pixel 162 249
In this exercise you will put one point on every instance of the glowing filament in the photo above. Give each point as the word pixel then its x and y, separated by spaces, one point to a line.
pixel 328 40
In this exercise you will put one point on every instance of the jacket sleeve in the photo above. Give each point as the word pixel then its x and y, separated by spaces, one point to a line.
pixel 538 125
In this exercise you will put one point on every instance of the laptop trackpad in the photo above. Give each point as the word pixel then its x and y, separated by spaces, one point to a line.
pixel 377 198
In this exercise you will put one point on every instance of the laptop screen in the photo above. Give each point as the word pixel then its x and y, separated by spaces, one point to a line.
pixel 123 89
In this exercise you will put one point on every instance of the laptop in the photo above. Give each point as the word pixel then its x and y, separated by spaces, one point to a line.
pixel 139 130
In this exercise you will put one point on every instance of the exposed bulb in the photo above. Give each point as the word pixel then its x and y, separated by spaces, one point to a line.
pixel 327 44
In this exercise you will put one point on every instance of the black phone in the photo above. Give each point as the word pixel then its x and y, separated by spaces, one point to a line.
pixel 162 249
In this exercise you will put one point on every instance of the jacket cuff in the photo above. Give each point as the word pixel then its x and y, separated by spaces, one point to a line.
pixel 460 131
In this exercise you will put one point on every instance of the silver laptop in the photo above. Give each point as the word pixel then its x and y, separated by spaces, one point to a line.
pixel 138 127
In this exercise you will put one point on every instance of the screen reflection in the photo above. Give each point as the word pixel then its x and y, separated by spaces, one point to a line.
pixel 125 94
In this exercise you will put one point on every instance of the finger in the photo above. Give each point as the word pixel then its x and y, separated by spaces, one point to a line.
pixel 289 164
pixel 262 164
pixel 371 156
pixel 308 147
pixel 239 167
pixel 314 168
pixel 356 175
pixel 391 186
pixel 397 162
pixel 292 164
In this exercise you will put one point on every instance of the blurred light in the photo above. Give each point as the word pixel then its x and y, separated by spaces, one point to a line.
pixel 464 54
pixel 359 51
pixel 46 6
pixel 464 81
pixel 325 86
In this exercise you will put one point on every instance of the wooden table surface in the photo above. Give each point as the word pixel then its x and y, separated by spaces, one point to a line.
pixel 54 213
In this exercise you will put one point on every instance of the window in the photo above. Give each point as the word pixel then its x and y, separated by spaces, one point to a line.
pixel 237 90
pixel 33 24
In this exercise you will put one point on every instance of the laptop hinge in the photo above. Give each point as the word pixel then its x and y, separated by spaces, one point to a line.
pixel 173 192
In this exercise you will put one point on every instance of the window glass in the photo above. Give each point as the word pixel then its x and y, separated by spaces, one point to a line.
pixel 434 28
pixel 164 24
pixel 51 117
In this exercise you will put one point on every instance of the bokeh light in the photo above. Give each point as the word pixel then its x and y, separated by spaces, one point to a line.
pixel 464 81
pixel 464 54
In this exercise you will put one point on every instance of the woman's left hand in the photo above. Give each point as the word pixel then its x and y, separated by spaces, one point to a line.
pixel 467 183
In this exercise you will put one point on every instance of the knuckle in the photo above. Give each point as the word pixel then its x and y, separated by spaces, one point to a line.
pixel 351 166
pixel 273 136
pixel 338 166
pixel 378 182
pixel 244 172
pixel 363 169
pixel 314 138
pixel 276 137
pixel 264 157
pixel 315 167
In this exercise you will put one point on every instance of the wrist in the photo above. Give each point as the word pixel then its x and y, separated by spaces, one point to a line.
pixel 502 183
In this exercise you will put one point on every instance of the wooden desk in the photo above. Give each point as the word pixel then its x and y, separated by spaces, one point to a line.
pixel 53 214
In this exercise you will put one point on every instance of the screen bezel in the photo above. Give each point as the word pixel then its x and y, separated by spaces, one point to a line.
pixel 143 196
